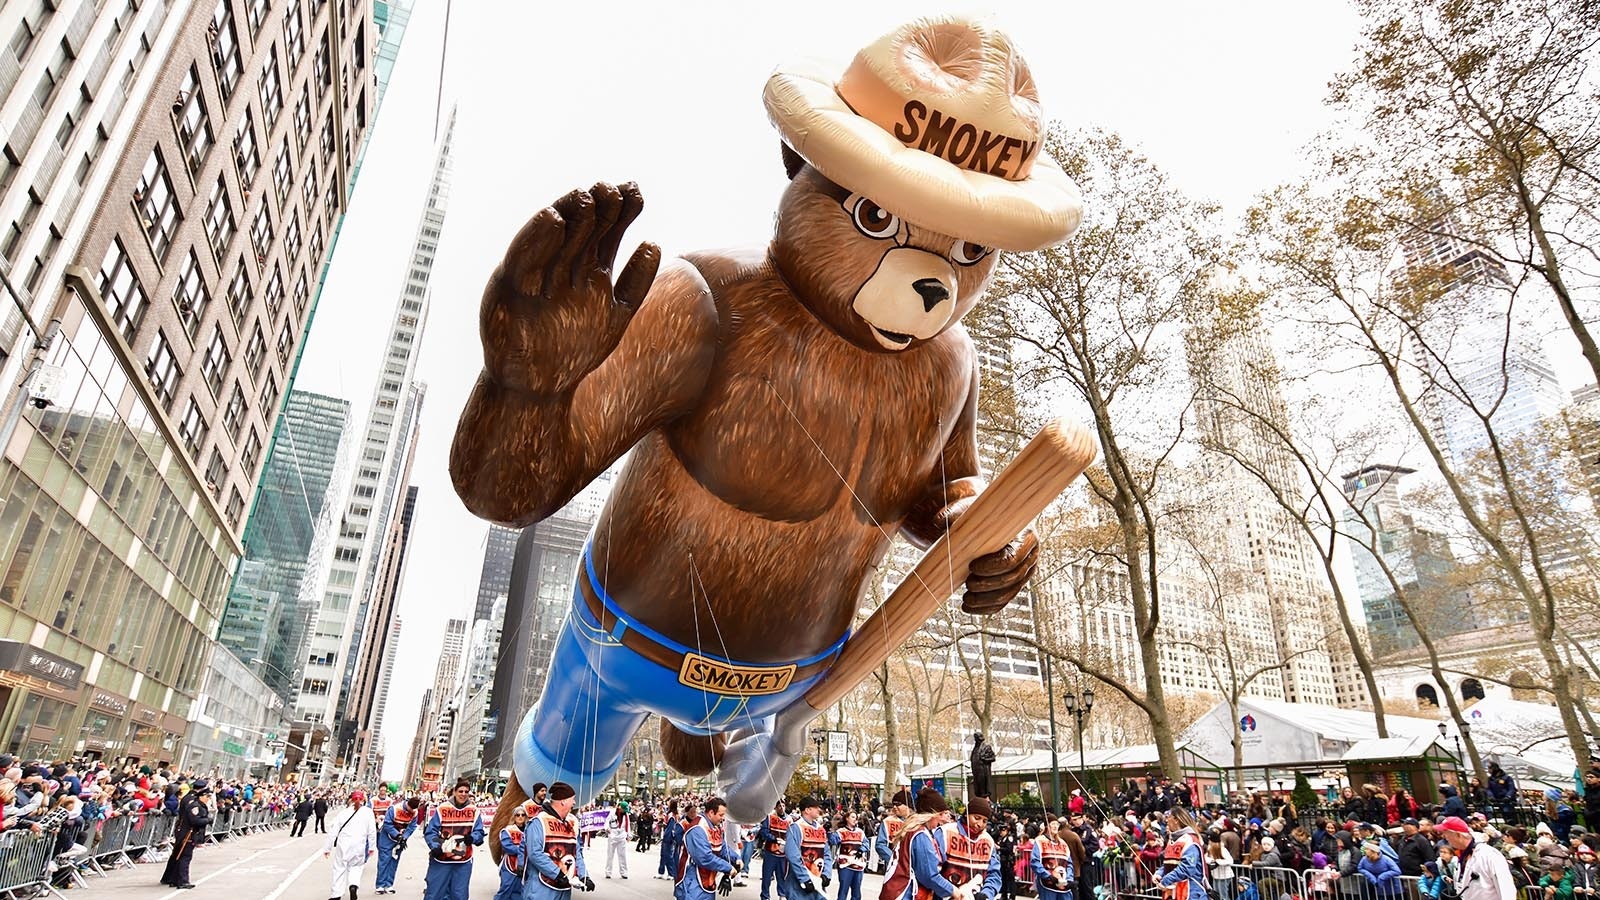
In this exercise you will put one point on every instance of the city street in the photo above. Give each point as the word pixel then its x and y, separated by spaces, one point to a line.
pixel 274 866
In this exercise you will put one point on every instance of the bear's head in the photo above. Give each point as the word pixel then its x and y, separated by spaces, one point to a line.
pixel 881 283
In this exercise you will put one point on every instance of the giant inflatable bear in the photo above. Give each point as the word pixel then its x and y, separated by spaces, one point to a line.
pixel 789 409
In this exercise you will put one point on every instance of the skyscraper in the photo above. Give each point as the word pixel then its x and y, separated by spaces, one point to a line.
pixel 1419 555
pixel 500 547
pixel 377 490
pixel 264 621
pixel 167 213
pixel 437 718
pixel 543 576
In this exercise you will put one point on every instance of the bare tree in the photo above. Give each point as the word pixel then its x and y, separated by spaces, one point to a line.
pixel 1097 314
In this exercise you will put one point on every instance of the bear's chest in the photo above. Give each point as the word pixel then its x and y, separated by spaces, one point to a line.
pixel 796 423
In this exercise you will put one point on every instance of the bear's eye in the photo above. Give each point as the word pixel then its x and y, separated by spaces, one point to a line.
pixel 966 252
pixel 873 220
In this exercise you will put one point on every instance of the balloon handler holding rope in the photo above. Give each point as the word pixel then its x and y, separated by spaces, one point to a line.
pixel 789 410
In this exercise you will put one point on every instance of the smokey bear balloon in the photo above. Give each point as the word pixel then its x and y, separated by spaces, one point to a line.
pixel 788 409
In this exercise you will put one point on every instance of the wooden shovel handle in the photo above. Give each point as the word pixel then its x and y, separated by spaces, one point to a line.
pixel 1055 457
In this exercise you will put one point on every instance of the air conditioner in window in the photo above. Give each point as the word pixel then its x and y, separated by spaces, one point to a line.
pixel 185 305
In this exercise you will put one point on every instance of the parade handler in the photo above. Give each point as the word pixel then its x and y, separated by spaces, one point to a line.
pixel 399 823
pixel 708 860
pixel 351 842
pixel 454 828
pixel 555 851
pixel 513 856
pixel 774 829
pixel 788 411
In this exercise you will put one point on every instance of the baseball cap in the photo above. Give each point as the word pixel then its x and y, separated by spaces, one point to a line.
pixel 1453 823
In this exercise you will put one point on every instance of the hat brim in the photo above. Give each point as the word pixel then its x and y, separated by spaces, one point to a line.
pixel 1039 211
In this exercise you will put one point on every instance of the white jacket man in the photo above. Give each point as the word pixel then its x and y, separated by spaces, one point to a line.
pixel 619 828
pixel 352 839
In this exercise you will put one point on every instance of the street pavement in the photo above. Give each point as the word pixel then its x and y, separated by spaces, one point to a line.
pixel 274 866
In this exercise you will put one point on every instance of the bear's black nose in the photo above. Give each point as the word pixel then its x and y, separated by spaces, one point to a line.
pixel 932 291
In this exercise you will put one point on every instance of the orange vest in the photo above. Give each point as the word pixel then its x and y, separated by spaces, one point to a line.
pixel 456 823
pixel 708 877
pixel 851 856
pixel 380 805
pixel 403 814
pixel 1055 856
pixel 561 845
pixel 777 825
pixel 513 861
pixel 813 847
pixel 965 858
pixel 1169 861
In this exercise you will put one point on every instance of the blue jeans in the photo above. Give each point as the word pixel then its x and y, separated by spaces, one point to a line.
pixel 599 691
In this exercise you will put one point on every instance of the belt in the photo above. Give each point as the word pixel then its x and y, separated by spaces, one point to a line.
pixel 665 656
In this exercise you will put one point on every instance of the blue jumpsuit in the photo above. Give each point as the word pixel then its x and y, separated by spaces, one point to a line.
pixel 1047 858
pixel 773 831
pixel 851 851
pixel 671 843
pixel 704 858
pixel 806 856
pixel 888 832
pixel 554 850
pixel 513 863
pixel 949 850
pixel 450 874
pixel 399 823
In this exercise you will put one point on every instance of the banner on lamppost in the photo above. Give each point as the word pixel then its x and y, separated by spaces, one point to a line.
pixel 838 746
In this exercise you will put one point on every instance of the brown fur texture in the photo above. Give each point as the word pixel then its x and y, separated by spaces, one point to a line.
pixel 513 797
pixel 691 754
pixel 777 445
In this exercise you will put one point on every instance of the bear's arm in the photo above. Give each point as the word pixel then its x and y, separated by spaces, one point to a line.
pixel 518 457
pixel 953 483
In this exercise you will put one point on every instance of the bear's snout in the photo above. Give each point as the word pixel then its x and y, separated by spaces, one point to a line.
pixel 910 297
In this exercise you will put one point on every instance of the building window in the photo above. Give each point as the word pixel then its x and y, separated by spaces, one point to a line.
pixel 251 454
pixel 274 294
pixel 283 175
pixel 261 235
pixel 245 154
pixel 158 208
pixel 321 68
pixel 330 201
pixel 285 341
pixel 271 90
pixel 216 361
pixel 316 243
pixel 194 126
pixel 191 295
pixel 256 14
pixel 291 237
pixel 301 294
pixel 308 189
pixel 216 473
pixel 269 396
pixel 162 368
pixel 302 119
pixel 239 297
pixel 121 292
pixel 233 418
pixel 193 428
pixel 255 351
pixel 225 49
pixel 235 509
pixel 327 140
pixel 220 226
pixel 294 38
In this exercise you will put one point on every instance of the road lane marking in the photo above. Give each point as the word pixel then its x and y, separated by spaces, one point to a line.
pixel 227 868
pixel 293 876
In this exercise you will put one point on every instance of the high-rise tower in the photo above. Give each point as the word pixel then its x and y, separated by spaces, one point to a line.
pixel 377 489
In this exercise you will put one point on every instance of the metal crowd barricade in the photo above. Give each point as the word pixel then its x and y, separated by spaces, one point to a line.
pixel 222 826
pixel 1276 882
pixel 25 864
pixel 157 837
pixel 111 847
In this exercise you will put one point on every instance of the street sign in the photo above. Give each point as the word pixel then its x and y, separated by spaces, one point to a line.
pixel 838 746
pixel 272 735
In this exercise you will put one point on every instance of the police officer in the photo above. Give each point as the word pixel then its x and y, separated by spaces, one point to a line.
pixel 555 852
pixel 454 828
pixel 807 857
pixel 399 823
pixel 708 860
pixel 193 817
pixel 773 831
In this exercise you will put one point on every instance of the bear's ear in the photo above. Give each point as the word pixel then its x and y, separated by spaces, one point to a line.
pixel 792 161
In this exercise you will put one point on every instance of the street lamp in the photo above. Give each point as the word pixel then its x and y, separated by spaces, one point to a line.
pixel 819 736
pixel 1443 730
pixel 1080 708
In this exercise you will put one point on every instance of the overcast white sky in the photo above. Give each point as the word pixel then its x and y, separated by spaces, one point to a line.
pixel 555 96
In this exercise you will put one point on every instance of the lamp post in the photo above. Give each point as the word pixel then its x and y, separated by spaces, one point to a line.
pixel 1445 729
pixel 818 737
pixel 1055 760
pixel 1080 708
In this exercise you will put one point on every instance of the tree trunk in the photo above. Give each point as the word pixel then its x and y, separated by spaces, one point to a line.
pixel 1551 270
pixel 891 733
